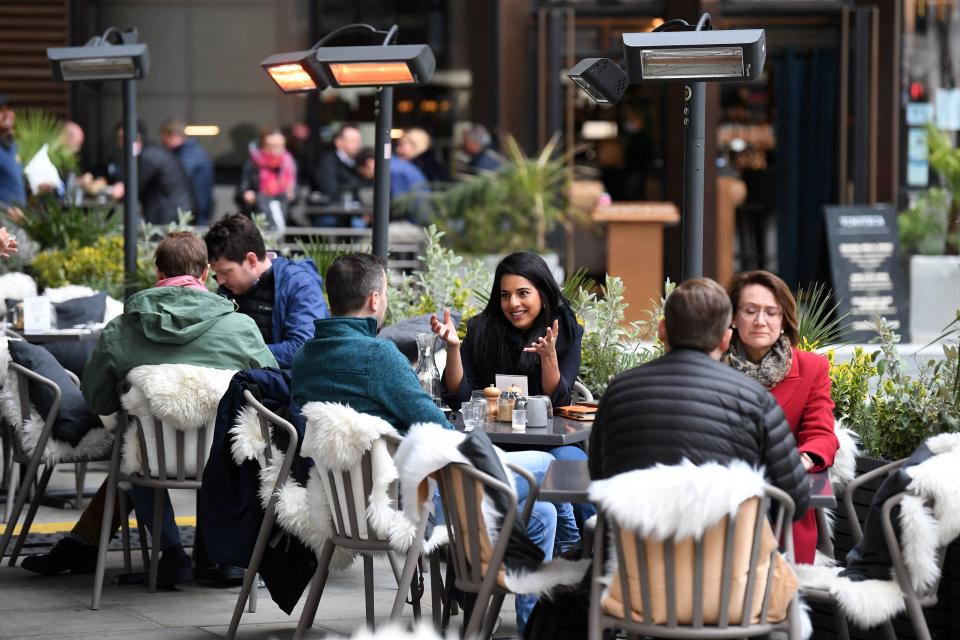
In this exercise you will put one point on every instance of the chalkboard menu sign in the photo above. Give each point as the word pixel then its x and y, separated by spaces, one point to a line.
pixel 866 268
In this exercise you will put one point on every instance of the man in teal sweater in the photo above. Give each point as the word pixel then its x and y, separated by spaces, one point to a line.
pixel 346 362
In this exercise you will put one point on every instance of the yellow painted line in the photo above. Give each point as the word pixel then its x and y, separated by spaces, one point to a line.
pixel 63 527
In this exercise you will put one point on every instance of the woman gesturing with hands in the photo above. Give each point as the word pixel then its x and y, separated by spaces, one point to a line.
pixel 526 328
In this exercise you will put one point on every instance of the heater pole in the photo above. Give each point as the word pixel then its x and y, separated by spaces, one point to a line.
pixel 381 172
pixel 131 214
pixel 693 142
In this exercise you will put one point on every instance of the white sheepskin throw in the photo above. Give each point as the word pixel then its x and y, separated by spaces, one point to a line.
pixel 68 292
pixel 94 444
pixel 302 514
pixel 689 499
pixel 184 398
pixel 17 286
pixel 337 438
pixel 426 449
pixel 928 520
pixel 844 468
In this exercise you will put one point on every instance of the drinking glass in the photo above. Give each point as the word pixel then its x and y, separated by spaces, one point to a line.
pixel 519 422
pixel 474 413
pixel 477 394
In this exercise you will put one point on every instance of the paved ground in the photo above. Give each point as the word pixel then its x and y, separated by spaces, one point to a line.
pixel 34 606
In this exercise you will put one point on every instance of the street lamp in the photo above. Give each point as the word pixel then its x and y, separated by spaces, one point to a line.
pixel 128 61
pixel 383 66
pixel 693 54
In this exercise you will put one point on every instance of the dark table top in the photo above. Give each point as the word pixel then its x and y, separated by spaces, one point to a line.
pixel 569 481
pixel 59 335
pixel 561 431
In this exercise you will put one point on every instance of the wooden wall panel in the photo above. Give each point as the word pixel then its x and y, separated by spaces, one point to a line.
pixel 27 28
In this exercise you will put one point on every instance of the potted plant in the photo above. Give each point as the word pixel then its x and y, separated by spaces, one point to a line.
pixel 511 209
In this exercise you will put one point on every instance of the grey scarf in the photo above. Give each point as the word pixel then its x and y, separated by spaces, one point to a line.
pixel 771 369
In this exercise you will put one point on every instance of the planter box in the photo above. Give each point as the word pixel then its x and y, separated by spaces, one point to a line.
pixel 934 295
pixel 943 620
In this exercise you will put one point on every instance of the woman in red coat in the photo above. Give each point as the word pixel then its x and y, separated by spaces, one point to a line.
pixel 764 347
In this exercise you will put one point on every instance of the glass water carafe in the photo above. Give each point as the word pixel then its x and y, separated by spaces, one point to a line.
pixel 427 372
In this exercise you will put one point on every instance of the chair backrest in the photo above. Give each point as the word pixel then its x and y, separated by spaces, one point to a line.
pixel 462 490
pixel 171 430
pixel 348 493
pixel 731 576
pixel 927 596
pixel 580 393
pixel 268 421
pixel 27 435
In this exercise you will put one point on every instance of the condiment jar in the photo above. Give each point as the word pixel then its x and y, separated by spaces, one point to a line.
pixel 505 406
pixel 492 395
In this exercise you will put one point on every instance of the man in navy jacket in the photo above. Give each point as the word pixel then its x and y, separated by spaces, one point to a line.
pixel 284 297
pixel 196 164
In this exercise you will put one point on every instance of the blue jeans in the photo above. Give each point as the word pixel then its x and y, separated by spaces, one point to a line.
pixel 142 499
pixel 537 462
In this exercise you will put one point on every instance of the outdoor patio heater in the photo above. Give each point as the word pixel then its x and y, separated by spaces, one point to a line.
pixel 126 60
pixel 383 66
pixel 677 51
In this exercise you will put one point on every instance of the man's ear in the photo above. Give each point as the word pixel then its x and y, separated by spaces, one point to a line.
pixel 374 300
pixel 160 275
pixel 205 274
pixel 251 259
pixel 662 332
pixel 725 341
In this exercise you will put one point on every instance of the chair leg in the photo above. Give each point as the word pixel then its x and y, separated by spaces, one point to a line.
pixel 17 499
pixel 252 608
pixel 155 538
pixel 916 618
pixel 840 623
pixel 493 611
pixel 144 545
pixel 79 476
pixel 316 590
pixel 31 513
pixel 793 620
pixel 106 521
pixel 11 494
pixel 125 532
pixel 368 588
pixel 436 590
pixel 410 564
pixel 250 579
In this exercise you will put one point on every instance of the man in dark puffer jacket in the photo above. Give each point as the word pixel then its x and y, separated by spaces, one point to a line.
pixel 687 405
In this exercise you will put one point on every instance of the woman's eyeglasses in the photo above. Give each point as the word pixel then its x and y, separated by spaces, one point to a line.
pixel 752 312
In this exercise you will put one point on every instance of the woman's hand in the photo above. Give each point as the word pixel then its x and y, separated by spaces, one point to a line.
pixel 546 347
pixel 445 329
pixel 8 243
pixel 250 197
pixel 806 461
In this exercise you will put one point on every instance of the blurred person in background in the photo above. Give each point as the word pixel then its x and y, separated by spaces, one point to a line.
pixel 268 181
pixel 477 145
pixel 196 164
pixel 405 178
pixel 13 193
pixel 334 174
pixel 416 146
pixel 162 186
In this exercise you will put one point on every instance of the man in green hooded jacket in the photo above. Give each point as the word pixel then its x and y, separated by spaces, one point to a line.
pixel 178 321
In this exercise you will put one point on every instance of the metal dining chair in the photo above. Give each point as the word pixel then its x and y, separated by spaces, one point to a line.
pixel 31 461
pixel 477 562
pixel 915 601
pixel 269 421
pixel 646 611
pixel 163 466
pixel 348 493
